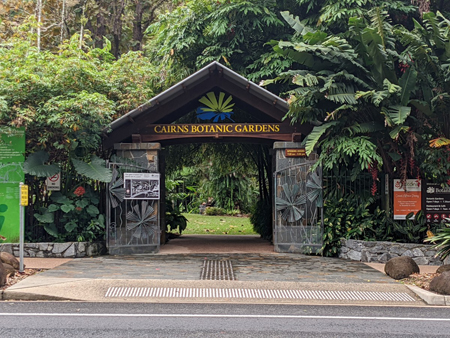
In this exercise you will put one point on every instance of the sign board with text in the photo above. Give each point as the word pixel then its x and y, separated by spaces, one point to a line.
pixel 407 197
pixel 437 203
pixel 301 152
pixel 53 183
pixel 141 186
pixel 12 156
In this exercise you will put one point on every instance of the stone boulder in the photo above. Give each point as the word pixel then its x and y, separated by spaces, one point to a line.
pixel 10 271
pixel 443 268
pixel 401 267
pixel 441 284
pixel 7 258
pixel 2 275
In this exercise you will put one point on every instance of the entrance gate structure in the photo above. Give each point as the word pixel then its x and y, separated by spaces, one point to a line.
pixel 298 202
pixel 210 97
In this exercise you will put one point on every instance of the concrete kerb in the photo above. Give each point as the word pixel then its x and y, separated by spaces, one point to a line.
pixel 428 297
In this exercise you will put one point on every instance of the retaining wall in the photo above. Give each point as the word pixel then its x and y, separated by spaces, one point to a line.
pixel 57 250
pixel 381 252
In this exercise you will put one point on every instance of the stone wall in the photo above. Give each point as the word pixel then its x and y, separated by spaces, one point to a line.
pixel 381 252
pixel 57 250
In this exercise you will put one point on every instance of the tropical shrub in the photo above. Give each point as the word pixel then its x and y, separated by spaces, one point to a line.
pixel 174 219
pixel 441 241
pixel 75 217
pixel 214 211
pixel 261 218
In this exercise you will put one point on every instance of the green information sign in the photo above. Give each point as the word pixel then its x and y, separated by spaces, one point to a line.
pixel 12 156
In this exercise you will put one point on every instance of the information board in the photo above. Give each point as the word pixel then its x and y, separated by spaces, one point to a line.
pixel 141 186
pixel 407 197
pixel 437 203
pixel 12 156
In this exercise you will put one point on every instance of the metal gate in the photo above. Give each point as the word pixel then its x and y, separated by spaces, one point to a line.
pixel 132 224
pixel 298 210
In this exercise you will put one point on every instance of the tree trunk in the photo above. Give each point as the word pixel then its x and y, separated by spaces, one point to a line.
pixel 118 8
pixel 137 26
pixel 39 20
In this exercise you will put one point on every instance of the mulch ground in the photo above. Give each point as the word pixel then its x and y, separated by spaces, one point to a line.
pixel 11 280
pixel 421 280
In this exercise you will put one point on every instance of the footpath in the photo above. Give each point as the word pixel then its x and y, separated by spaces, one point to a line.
pixel 191 272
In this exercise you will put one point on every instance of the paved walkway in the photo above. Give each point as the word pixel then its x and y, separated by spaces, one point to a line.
pixel 176 276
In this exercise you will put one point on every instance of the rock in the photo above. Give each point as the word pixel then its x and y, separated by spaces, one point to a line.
pixel 2 275
pixel 441 284
pixel 354 255
pixel 443 268
pixel 70 252
pixel 447 260
pixel 59 248
pixel 421 260
pixel 384 258
pixel 417 253
pixel 401 267
pixel 7 258
pixel 9 269
pixel 408 253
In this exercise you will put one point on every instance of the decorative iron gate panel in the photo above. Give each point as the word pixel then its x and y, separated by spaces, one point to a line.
pixel 298 210
pixel 133 225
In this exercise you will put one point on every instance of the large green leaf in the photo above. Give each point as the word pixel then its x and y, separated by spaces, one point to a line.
pixel 295 23
pixel 398 114
pixel 51 229
pixel 95 170
pixel 407 82
pixel 47 217
pixel 312 139
pixel 34 165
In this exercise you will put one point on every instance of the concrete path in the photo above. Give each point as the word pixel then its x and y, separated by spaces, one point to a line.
pixel 183 270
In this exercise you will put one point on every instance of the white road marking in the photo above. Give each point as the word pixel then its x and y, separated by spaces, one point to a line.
pixel 174 315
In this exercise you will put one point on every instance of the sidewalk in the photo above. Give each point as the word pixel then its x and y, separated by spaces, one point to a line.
pixel 175 276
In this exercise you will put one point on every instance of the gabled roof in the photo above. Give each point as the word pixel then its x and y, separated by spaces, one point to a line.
pixel 183 97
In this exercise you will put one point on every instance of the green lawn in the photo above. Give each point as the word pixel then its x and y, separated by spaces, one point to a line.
pixel 218 225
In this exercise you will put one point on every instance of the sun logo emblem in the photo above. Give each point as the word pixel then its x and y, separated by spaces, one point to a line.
pixel 216 109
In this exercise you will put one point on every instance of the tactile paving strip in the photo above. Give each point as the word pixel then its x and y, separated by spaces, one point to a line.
pixel 217 270
pixel 232 293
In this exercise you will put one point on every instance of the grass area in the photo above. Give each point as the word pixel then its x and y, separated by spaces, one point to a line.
pixel 218 225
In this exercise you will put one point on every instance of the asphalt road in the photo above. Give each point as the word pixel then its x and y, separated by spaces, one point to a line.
pixel 72 319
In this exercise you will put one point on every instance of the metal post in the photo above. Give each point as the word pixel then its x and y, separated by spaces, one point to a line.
pixel 21 232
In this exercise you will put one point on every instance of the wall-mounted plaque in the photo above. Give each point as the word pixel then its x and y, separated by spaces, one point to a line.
pixel 295 152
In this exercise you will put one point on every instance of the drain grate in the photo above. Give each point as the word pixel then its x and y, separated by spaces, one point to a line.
pixel 217 270
pixel 231 293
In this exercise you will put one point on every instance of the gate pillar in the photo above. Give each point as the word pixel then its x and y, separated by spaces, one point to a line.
pixel 134 199
pixel 297 203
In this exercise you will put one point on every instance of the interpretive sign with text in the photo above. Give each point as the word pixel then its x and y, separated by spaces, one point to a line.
pixel 141 186
pixel 407 197
pixel 437 202
pixel 12 156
